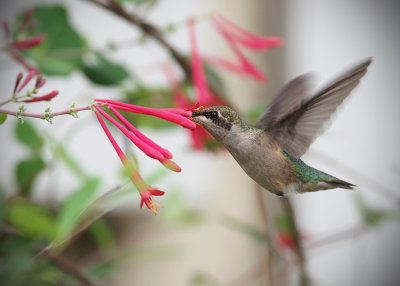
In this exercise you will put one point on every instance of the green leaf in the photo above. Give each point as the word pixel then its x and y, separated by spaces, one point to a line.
pixel 3 117
pixel 20 266
pixel 26 172
pixel 61 51
pixel 61 153
pixel 102 270
pixel 102 71
pixel 282 223
pixel 71 212
pixel 101 233
pixel 27 135
pixel 30 219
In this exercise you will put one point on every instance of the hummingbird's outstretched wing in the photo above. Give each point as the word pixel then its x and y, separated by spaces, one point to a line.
pixel 295 120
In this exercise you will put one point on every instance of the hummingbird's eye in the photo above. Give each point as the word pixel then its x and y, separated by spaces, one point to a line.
pixel 213 114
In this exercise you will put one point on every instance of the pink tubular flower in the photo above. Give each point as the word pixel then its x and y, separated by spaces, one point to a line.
pixel 17 81
pixel 146 191
pixel 28 43
pixel 236 36
pixel 28 78
pixel 244 37
pixel 199 77
pixel 46 97
pixel 166 114
pixel 25 20
pixel 149 147
pixel 147 199
pixel 145 139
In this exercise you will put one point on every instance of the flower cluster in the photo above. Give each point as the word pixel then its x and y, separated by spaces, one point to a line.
pixel 40 82
pixel 236 38
pixel 15 45
pixel 145 144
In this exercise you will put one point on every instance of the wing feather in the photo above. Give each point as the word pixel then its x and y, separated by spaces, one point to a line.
pixel 306 118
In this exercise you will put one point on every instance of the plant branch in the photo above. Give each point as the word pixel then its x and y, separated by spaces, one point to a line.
pixel 337 237
pixel 42 115
pixel 267 262
pixel 149 30
pixel 70 267
pixel 15 99
pixel 287 205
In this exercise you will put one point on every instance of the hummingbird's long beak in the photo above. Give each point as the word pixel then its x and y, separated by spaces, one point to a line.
pixel 195 116
pixel 197 113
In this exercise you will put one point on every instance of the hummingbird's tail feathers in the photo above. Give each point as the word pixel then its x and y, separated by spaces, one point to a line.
pixel 341 184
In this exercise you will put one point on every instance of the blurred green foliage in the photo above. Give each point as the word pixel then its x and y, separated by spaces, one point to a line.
pixel 61 51
pixel 102 71
pixel 3 118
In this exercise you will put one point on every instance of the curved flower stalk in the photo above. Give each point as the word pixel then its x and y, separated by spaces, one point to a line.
pixel 145 144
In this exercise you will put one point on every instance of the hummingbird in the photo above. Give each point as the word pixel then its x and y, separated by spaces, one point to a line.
pixel 270 151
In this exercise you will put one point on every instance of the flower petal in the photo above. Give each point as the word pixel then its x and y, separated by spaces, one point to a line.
pixel 160 113
pixel 28 78
pixel 148 150
pixel 140 135
pixel 28 43
pixel 46 97
pixel 171 165
pixel 199 77
pixel 244 37
pixel 121 154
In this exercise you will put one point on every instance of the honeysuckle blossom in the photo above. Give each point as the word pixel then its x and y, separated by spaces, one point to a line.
pixel 203 97
pixel 236 36
pixel 145 144
pixel 40 81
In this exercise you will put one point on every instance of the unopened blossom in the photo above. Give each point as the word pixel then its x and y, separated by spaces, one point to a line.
pixel 28 78
pixel 26 44
pixel 17 81
pixel 46 97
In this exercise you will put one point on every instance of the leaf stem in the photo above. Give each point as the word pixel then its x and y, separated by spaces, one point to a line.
pixel 42 115
pixel 148 29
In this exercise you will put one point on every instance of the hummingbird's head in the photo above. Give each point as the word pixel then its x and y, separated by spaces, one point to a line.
pixel 218 120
